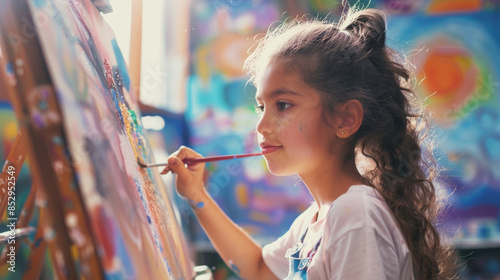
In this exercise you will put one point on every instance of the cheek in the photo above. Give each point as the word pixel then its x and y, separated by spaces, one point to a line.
pixel 296 137
pixel 283 128
pixel 283 125
pixel 306 132
pixel 312 133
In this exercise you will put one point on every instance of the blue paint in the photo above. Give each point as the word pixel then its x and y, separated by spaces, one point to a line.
pixel 234 268
pixel 38 241
pixel 40 3
pixel 57 140
pixel 196 204
pixel 142 197
pixel 116 102
pixel 168 267
pixel 121 250
pixel 10 68
pixel 155 237
pixel 43 105
pixel 121 65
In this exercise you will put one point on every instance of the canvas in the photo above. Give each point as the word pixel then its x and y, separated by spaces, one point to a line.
pixel 127 220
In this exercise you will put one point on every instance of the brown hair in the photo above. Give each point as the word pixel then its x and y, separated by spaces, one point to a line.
pixel 350 60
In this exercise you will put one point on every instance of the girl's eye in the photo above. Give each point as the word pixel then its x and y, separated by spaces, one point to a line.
pixel 282 106
pixel 259 108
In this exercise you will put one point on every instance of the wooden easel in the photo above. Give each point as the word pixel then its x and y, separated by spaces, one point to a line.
pixel 51 233
pixel 10 174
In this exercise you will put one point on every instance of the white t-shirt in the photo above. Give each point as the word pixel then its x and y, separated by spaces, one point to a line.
pixel 360 240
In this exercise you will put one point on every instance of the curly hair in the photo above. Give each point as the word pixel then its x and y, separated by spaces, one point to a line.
pixel 350 60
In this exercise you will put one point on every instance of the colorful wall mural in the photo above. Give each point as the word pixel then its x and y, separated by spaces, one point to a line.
pixel 456 60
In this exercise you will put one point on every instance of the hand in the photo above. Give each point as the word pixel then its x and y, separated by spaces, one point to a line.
pixel 189 179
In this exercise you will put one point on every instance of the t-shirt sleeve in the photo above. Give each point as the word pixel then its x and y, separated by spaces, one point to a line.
pixel 358 240
pixel 362 254
pixel 274 253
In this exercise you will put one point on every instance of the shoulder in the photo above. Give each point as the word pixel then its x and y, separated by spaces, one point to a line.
pixel 274 253
pixel 295 231
pixel 306 216
pixel 360 207
pixel 303 220
pixel 360 230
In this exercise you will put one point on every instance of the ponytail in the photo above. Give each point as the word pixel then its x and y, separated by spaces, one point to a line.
pixel 368 25
pixel 393 137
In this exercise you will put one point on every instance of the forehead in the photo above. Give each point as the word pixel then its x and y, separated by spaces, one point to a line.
pixel 279 77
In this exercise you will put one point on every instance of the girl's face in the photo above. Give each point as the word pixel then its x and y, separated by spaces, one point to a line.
pixel 293 137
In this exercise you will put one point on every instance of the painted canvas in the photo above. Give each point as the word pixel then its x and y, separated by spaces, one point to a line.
pixel 128 221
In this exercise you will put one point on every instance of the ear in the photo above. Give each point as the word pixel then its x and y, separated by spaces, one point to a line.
pixel 349 118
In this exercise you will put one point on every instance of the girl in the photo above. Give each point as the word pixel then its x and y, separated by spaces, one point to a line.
pixel 334 111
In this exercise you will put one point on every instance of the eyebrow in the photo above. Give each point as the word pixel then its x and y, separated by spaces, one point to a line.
pixel 280 91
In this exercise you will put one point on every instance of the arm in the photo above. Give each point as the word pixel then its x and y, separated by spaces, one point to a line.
pixel 233 244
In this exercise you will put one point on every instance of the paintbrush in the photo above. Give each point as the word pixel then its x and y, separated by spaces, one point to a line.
pixel 191 161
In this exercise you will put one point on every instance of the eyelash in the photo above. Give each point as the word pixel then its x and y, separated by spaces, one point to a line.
pixel 282 106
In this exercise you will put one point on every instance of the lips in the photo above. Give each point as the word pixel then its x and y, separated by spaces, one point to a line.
pixel 268 148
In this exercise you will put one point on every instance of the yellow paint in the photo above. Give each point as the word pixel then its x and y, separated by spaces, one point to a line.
pixel 10 130
pixel 203 67
pixel 242 194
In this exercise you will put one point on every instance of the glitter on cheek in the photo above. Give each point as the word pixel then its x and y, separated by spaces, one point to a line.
pixel 282 124
pixel 301 137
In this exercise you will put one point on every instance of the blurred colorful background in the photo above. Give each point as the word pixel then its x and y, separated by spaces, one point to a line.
pixel 454 50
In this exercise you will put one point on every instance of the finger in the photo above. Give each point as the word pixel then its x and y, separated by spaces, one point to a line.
pixel 174 154
pixel 185 152
pixel 165 171
pixel 177 166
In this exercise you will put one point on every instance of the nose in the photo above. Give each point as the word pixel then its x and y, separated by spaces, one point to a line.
pixel 264 125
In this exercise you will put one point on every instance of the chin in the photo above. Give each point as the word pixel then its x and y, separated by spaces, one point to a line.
pixel 279 169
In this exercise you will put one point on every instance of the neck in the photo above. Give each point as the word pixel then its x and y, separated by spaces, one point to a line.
pixel 329 181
